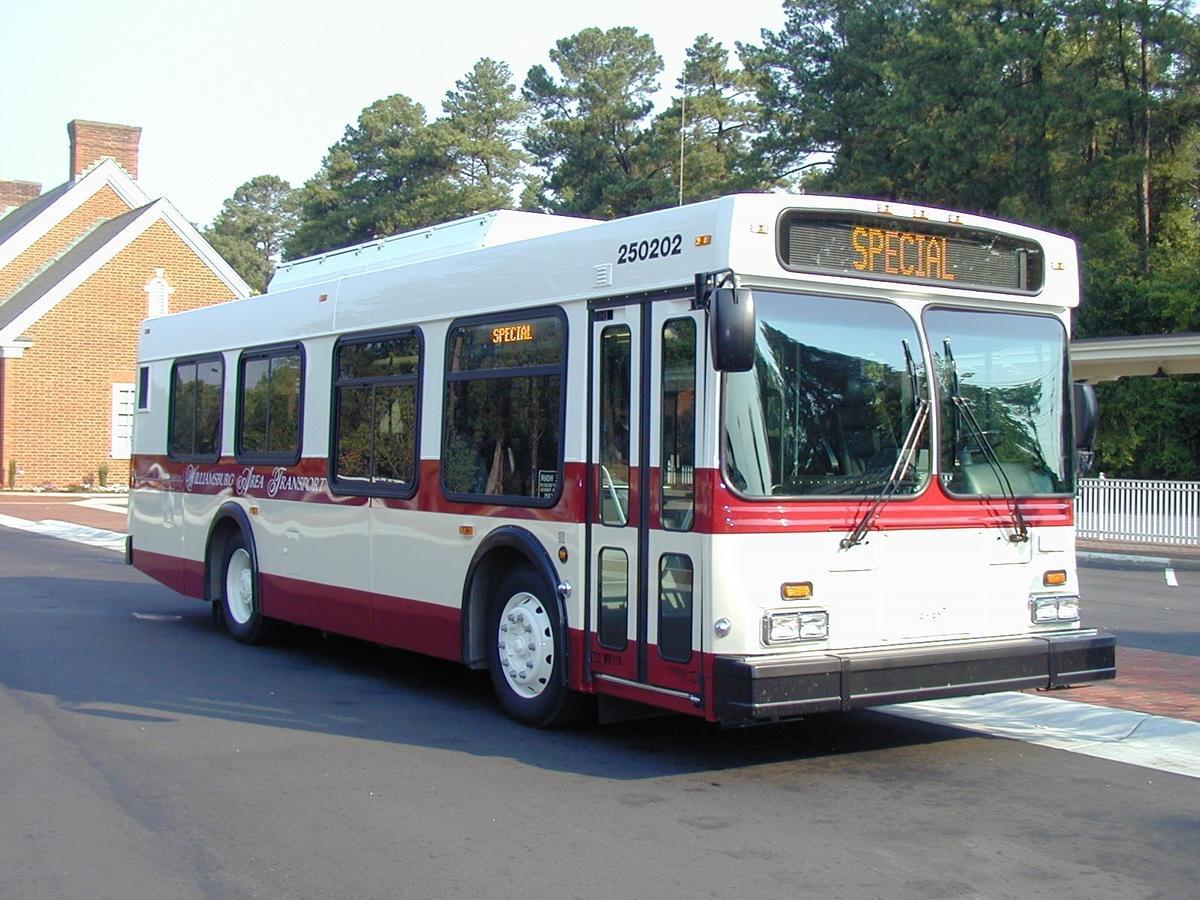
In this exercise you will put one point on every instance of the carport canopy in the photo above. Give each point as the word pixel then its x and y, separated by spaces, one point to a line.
pixel 1110 358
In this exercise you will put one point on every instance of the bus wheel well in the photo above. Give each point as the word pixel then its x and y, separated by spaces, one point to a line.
pixel 486 576
pixel 214 557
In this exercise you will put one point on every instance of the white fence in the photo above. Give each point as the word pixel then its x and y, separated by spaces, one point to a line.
pixel 1118 509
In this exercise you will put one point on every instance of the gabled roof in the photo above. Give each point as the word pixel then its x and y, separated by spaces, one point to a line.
pixel 26 213
pixel 41 293
pixel 22 227
pixel 45 282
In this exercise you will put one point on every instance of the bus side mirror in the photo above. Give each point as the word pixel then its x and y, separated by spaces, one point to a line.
pixel 1085 414
pixel 733 329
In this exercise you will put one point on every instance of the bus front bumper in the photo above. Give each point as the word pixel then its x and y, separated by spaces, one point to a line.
pixel 748 689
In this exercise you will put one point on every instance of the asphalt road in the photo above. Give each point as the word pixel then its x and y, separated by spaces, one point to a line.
pixel 145 754
pixel 1141 607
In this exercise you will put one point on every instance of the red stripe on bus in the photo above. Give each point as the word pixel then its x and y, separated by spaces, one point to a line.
pixel 307 482
pixel 717 509
pixel 184 576
pixel 720 511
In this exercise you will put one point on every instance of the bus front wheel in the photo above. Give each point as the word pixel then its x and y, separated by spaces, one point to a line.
pixel 239 593
pixel 528 670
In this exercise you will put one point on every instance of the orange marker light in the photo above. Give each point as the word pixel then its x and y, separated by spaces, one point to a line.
pixel 796 590
pixel 1055 578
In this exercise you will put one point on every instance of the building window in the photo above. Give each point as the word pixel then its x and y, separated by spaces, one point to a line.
pixel 158 295
pixel 503 408
pixel 375 393
pixel 122 421
pixel 270 394
pixel 197 391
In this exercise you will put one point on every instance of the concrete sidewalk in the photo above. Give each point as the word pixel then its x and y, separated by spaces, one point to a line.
pixel 107 511
pixel 1176 556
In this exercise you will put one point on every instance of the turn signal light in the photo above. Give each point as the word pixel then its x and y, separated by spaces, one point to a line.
pixel 1055 578
pixel 796 590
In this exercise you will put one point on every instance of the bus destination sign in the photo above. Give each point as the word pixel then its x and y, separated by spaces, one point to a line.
pixel 925 253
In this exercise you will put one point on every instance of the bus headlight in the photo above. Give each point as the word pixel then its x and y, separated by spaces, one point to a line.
pixel 793 627
pixel 1043 610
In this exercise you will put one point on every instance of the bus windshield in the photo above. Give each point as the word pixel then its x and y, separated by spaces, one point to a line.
pixel 1002 380
pixel 829 402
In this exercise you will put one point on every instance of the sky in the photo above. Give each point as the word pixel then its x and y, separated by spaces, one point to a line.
pixel 226 90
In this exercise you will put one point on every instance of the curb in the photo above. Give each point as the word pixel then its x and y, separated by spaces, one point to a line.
pixel 1113 560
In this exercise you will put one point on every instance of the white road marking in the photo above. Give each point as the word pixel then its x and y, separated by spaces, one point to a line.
pixel 1155 742
pixel 80 534
pixel 1171 579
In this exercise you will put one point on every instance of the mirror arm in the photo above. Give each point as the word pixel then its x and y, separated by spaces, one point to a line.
pixel 707 282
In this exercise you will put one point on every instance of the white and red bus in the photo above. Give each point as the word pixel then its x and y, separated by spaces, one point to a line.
pixel 749 459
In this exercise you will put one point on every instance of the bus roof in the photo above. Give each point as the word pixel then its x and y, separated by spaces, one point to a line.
pixel 510 260
pixel 459 236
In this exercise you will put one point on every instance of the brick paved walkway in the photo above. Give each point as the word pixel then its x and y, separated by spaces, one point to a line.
pixel 1161 684
pixel 36 507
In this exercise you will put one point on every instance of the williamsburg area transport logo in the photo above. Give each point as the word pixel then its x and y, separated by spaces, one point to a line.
pixel 250 481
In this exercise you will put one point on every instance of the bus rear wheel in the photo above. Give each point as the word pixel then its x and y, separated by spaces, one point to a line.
pixel 526 664
pixel 239 600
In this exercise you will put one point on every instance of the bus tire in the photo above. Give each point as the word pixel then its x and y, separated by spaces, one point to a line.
pixel 526 664
pixel 240 604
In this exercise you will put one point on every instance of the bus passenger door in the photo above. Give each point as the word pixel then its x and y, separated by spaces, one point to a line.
pixel 673 549
pixel 614 517
pixel 644 612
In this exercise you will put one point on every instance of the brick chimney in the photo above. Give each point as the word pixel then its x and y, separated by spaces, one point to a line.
pixel 93 141
pixel 17 193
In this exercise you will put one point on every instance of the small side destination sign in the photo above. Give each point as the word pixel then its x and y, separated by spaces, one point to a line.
pixel 896 249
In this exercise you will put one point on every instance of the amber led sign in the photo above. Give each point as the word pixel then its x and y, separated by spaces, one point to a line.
pixel 889 247
pixel 512 334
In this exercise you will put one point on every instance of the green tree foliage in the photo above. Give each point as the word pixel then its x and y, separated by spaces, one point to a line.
pixel 482 128
pixel 384 176
pixel 590 138
pixel 716 118
pixel 393 171
pixel 253 226
pixel 1079 115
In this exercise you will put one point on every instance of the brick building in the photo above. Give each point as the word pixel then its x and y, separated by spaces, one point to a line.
pixel 80 267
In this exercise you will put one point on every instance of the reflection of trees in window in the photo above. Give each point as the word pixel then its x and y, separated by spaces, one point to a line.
pixel 270 404
pixel 196 396
pixel 614 378
pixel 1011 375
pixel 828 402
pixel 375 397
pixel 678 423
pixel 503 408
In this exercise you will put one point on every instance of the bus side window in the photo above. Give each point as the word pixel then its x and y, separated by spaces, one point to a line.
pixel 270 401
pixel 376 398
pixel 502 432
pixel 197 390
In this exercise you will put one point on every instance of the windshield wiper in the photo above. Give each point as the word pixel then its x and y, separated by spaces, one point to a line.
pixel 905 459
pixel 905 456
pixel 967 415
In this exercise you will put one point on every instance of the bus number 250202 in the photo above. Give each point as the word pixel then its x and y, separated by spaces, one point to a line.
pixel 654 248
